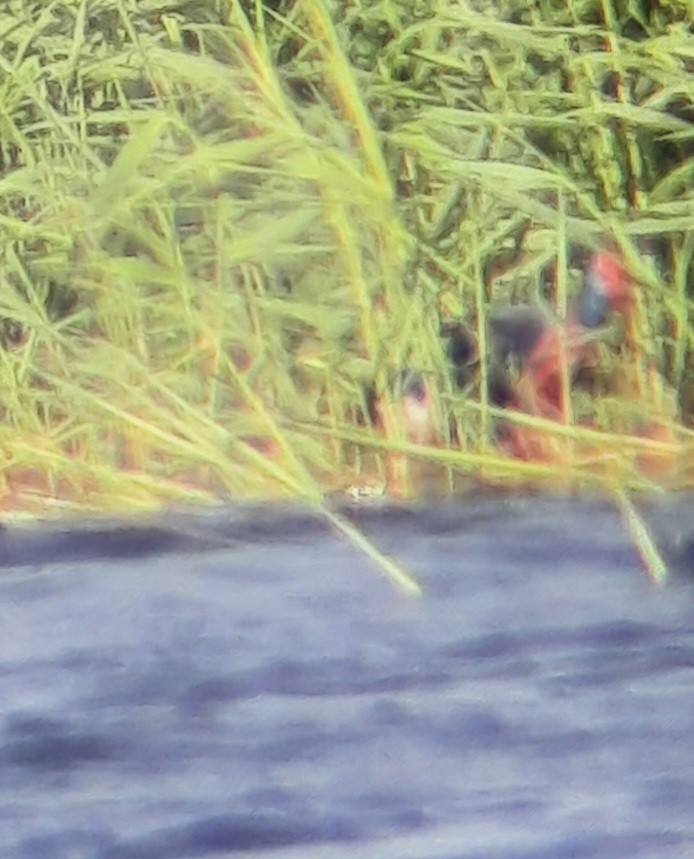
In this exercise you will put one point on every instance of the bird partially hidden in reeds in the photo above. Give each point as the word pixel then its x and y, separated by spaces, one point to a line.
pixel 533 358
pixel 541 351
pixel 532 361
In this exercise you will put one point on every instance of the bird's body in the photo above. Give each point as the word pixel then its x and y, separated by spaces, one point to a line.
pixel 541 351
pixel 514 330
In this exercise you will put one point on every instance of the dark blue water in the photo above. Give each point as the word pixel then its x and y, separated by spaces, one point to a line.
pixel 246 684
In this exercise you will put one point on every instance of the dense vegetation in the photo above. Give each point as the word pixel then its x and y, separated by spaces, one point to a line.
pixel 224 224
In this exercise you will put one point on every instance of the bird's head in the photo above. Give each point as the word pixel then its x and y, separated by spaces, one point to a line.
pixel 607 288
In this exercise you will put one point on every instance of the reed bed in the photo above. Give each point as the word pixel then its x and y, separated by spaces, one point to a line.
pixel 224 225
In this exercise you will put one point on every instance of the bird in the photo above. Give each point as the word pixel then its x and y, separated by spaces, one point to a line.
pixel 530 352
pixel 526 342
pixel 527 352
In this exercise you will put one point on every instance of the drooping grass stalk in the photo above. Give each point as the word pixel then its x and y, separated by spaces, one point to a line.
pixel 643 541
pixel 387 565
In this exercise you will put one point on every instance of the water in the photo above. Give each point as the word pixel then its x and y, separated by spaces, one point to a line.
pixel 246 684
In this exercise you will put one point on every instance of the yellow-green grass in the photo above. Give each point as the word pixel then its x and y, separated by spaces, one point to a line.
pixel 223 223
